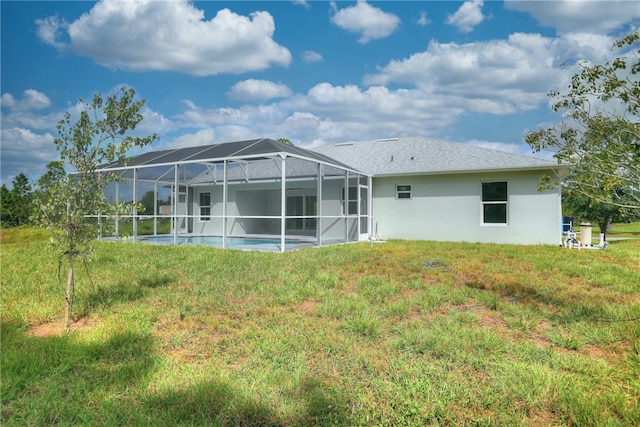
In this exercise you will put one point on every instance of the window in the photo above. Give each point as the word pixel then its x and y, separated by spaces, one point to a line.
pixel 311 208
pixel 352 203
pixel 494 202
pixel 403 191
pixel 205 206
pixel 302 206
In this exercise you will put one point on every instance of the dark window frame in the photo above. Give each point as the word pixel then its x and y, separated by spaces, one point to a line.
pixel 495 203
pixel 404 191
pixel 204 203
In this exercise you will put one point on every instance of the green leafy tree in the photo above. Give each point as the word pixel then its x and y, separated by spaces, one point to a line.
pixel 98 136
pixel 285 141
pixel 54 174
pixel 583 208
pixel 6 207
pixel 600 134
pixel 47 185
pixel 21 200
pixel 147 202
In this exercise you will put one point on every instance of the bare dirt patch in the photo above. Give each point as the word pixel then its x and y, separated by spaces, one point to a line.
pixel 308 306
pixel 612 353
pixel 540 338
pixel 57 328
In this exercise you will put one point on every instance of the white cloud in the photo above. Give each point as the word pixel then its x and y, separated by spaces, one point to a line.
pixel 370 22
pixel 7 100
pixel 24 151
pixel 574 47
pixel 309 56
pixel 31 100
pixel 145 35
pixel 49 30
pixel 423 20
pixel 201 137
pixel 377 107
pixel 258 90
pixel 26 112
pixel 328 113
pixel 303 3
pixel 496 76
pixel 27 141
pixel 154 122
pixel 522 149
pixel 467 16
pixel 580 16
pixel 500 146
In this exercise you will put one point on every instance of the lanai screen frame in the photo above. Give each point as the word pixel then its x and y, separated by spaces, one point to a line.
pixel 233 166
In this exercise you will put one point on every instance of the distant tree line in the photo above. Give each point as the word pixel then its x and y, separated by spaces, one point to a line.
pixel 18 205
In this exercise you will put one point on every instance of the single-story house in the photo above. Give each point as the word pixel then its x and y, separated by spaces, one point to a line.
pixel 288 197
pixel 428 189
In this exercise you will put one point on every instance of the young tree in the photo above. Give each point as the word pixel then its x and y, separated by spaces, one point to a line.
pixel 99 136
pixel 600 134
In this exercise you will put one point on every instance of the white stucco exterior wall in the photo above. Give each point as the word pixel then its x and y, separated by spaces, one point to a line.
pixel 449 208
pixel 264 200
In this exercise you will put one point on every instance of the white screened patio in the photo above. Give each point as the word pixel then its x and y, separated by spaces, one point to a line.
pixel 262 190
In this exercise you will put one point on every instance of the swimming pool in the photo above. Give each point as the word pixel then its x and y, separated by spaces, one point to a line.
pixel 217 240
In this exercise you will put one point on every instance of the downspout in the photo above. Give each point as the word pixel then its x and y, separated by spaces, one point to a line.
pixel 224 203
pixel 560 214
pixel 319 206
pixel 135 206
pixel 346 206
pixel 283 202
pixel 155 208
pixel 358 207
pixel 370 210
pixel 117 231
pixel 176 201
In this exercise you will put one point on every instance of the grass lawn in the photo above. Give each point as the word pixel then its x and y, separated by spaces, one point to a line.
pixel 624 231
pixel 398 333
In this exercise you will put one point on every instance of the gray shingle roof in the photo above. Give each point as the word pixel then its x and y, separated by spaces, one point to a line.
pixel 419 155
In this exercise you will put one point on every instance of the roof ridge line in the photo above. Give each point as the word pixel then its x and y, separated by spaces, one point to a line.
pixel 257 141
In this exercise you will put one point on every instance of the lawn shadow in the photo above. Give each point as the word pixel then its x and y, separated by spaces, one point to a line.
pixel 63 380
pixel 325 405
pixel 106 296
pixel 221 403
pixel 214 402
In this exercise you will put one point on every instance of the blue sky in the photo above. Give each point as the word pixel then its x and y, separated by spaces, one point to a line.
pixel 315 72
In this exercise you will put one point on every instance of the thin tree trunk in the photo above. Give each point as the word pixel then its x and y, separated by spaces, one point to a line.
pixel 67 296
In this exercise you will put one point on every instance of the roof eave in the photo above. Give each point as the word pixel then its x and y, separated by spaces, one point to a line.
pixel 472 171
